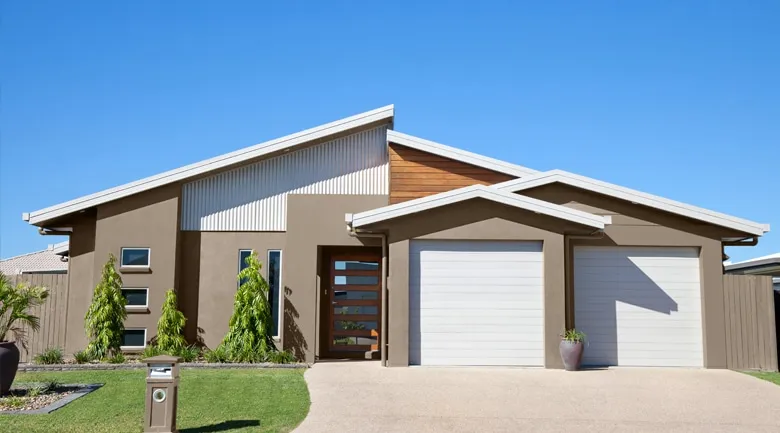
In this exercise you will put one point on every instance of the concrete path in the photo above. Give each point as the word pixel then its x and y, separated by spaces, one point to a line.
pixel 364 397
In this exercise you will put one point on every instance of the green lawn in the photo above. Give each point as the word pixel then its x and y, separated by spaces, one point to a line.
pixel 256 400
pixel 765 375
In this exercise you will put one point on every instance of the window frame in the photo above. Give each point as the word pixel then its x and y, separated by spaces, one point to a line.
pixel 137 307
pixel 124 266
pixel 278 335
pixel 131 348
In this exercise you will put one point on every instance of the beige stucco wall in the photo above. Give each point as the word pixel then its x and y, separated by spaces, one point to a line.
pixel 80 281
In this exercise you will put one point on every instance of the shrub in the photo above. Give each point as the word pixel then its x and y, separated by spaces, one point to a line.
pixel 14 401
pixel 150 351
pixel 216 356
pixel 188 354
pixel 574 336
pixel 50 386
pixel 15 302
pixel 170 326
pixel 118 358
pixel 249 336
pixel 82 357
pixel 49 356
pixel 281 357
pixel 104 321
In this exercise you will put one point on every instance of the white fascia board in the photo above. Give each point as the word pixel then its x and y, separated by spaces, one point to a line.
pixel 634 196
pixel 477 191
pixel 458 154
pixel 199 168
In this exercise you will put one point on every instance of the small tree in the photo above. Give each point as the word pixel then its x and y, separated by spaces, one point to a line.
pixel 171 325
pixel 249 338
pixel 105 317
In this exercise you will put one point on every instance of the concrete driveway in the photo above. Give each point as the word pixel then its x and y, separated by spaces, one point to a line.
pixel 364 397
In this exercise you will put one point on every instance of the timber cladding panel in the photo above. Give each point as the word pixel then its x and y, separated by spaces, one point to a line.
pixel 415 174
pixel 751 334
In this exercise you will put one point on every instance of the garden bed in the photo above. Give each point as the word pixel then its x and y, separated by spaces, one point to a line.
pixel 141 365
pixel 40 398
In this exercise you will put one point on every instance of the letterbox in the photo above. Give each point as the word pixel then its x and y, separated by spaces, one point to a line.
pixel 162 393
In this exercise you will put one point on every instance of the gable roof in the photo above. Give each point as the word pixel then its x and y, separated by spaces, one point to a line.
pixel 634 196
pixel 458 154
pixel 471 192
pixel 48 260
pixel 246 154
pixel 758 264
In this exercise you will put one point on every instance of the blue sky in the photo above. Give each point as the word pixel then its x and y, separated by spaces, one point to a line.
pixel 678 99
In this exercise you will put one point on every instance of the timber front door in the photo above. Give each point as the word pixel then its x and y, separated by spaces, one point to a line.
pixel 354 294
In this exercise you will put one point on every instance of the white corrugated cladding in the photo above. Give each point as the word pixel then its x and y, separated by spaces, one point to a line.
pixel 639 306
pixel 254 197
pixel 476 303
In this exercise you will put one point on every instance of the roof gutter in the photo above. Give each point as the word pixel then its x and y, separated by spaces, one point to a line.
pixel 383 344
pixel 750 241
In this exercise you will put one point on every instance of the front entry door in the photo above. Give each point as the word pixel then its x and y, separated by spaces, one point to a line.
pixel 354 292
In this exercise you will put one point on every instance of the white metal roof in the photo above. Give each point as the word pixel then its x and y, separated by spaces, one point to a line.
pixel 634 196
pixel 471 192
pixel 458 154
pixel 198 168
pixel 763 261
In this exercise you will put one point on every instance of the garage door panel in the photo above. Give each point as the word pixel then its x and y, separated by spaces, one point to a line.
pixel 476 303
pixel 639 305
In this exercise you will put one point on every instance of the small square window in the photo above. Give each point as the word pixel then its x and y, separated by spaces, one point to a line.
pixel 136 297
pixel 135 257
pixel 134 338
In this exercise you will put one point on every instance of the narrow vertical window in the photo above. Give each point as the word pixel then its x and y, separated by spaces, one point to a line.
pixel 242 256
pixel 274 288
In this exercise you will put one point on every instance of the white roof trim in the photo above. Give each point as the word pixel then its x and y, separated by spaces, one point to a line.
pixel 458 154
pixel 764 261
pixel 634 196
pixel 198 168
pixel 471 192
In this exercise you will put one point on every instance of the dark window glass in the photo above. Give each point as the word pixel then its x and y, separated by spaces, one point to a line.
pixel 357 280
pixel 341 295
pixel 274 287
pixel 355 265
pixel 354 326
pixel 134 338
pixel 242 256
pixel 135 297
pixel 355 309
pixel 135 257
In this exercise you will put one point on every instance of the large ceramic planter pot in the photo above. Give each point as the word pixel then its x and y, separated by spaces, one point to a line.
pixel 9 363
pixel 571 354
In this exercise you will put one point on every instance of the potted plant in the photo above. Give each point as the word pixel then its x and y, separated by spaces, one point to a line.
pixel 15 303
pixel 571 349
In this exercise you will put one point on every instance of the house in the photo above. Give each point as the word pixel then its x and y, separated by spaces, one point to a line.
pixel 377 241
pixel 766 265
pixel 52 260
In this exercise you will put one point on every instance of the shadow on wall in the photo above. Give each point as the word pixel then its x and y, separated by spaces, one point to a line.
pixel 293 337
pixel 602 336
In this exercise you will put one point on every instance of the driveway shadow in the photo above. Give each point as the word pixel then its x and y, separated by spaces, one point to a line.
pixel 223 426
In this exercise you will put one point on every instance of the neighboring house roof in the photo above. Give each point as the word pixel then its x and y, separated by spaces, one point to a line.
pixel 458 154
pixel 471 192
pixel 268 148
pixel 48 261
pixel 765 265
pixel 634 196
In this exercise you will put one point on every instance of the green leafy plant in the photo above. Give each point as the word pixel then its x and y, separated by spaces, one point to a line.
pixel 171 325
pixel 14 402
pixel 82 357
pixel 281 357
pixel 150 351
pixel 574 336
pixel 105 317
pixel 49 356
pixel 215 356
pixel 118 358
pixel 188 354
pixel 249 337
pixel 15 304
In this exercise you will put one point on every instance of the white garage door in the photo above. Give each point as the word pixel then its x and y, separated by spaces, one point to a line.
pixel 476 303
pixel 639 306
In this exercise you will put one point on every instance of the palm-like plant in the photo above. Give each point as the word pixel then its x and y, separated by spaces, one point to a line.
pixel 171 325
pixel 16 301
pixel 104 321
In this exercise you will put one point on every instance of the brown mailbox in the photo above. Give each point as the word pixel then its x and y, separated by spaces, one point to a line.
pixel 162 393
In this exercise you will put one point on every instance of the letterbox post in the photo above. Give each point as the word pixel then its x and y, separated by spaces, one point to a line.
pixel 162 394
